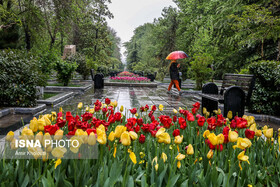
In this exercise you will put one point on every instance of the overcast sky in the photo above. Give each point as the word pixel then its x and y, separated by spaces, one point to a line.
pixel 129 14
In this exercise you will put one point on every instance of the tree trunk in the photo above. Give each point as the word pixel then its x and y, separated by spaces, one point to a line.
pixel 278 56
pixel 61 44
pixel 27 37
pixel 262 53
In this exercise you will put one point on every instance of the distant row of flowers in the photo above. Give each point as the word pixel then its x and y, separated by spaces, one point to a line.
pixel 127 74
pixel 130 79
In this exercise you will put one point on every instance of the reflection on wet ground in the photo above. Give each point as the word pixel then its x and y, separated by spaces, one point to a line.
pixel 130 97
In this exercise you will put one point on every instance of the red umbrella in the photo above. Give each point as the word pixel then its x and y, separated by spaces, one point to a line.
pixel 175 55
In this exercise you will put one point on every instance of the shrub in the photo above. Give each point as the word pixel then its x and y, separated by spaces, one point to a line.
pixel 19 76
pixel 266 96
pixel 65 69
pixel 199 69
pixel 82 67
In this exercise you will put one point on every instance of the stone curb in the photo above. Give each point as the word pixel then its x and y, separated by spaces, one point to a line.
pixel 68 89
pixel 57 99
pixel 33 110
pixel 5 112
pixel 22 110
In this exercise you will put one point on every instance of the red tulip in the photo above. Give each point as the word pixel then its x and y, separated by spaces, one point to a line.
pixel 201 120
pixel 133 111
pixel 249 134
pixel 142 138
pixel 107 101
pixel 176 132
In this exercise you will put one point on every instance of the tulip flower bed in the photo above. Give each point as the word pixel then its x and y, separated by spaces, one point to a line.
pixel 138 148
pixel 127 74
pixel 130 79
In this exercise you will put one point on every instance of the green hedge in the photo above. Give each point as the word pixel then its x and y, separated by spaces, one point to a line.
pixel 266 95
pixel 19 76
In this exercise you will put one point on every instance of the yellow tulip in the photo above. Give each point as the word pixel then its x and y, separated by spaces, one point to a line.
pixel 119 130
pixel 79 132
pixel 133 157
pixel 229 115
pixel 210 154
pixel 258 133
pixel 251 120
pixel 180 156
pixel 156 167
pixel 58 134
pixel 175 111
pixel 221 138
pixel 75 143
pixel 91 110
pixel 265 127
pixel 159 132
pixel 160 107
pixel 242 143
pixel 204 110
pixel 80 105
pixel 36 152
pixel 33 125
pixel 243 157
pixel 39 136
pixel 142 155
pixel 60 109
pixel 253 127
pixel 121 108
pixel 111 136
pixel 57 163
pixel 232 136
pixel 46 140
pixel 41 124
pixel 190 150
pixel 13 144
pixel 268 133
pixel 115 151
pixel 206 133
pixel 133 135
pixel 47 120
pixel 58 152
pixel 213 139
pixel 154 160
pixel 178 164
pixel 101 138
pixel 114 104
pixel 87 109
pixel 178 139
pixel 164 157
pixel 27 133
pixel 53 118
pixel 91 139
pixel 125 139
pixel 10 136
pixel 164 138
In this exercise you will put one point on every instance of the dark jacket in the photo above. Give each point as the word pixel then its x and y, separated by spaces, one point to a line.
pixel 173 70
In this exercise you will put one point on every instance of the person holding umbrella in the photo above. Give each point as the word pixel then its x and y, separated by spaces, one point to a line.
pixel 173 68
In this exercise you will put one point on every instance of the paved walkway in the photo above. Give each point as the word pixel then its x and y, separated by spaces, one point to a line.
pixel 131 97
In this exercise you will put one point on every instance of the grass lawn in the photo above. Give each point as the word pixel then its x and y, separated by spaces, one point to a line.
pixel 49 95
pixel 61 84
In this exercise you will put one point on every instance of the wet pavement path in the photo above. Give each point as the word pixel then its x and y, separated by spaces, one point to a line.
pixel 130 97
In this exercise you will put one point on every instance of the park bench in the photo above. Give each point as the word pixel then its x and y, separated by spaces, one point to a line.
pixel 235 94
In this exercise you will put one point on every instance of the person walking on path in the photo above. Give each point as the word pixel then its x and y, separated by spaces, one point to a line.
pixel 174 75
